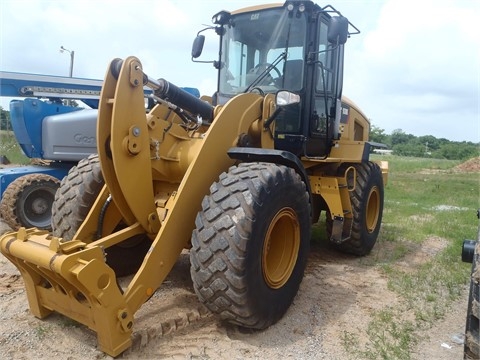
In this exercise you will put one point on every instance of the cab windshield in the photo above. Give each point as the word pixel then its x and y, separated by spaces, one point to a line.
pixel 263 50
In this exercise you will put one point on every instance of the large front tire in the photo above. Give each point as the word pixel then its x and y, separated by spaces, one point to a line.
pixel 74 199
pixel 250 245
pixel 367 208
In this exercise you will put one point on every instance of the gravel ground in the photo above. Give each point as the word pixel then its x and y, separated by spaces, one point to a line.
pixel 339 293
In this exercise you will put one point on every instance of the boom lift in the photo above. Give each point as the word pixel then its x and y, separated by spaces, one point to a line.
pixel 49 126
pixel 239 178
pixel 48 129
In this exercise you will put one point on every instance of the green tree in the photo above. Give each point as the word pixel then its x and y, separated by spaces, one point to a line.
pixel 409 149
pixel 5 119
pixel 430 142
pixel 378 135
pixel 400 137
pixel 404 144
pixel 458 151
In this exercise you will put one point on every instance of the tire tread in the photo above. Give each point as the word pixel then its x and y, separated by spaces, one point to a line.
pixel 221 240
pixel 12 194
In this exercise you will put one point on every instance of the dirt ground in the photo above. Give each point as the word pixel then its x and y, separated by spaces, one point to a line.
pixel 338 294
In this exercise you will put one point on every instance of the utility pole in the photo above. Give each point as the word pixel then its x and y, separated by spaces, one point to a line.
pixel 72 57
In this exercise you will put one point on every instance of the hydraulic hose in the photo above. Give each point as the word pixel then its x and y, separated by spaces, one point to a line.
pixel 101 217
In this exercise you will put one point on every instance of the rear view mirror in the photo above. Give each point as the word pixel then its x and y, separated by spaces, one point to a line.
pixel 197 46
pixel 338 30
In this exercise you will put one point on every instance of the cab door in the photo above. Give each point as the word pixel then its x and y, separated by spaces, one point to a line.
pixel 325 91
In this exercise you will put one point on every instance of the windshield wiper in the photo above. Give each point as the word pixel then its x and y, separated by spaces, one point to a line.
pixel 264 73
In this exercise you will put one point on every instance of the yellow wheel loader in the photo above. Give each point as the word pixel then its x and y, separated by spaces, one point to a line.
pixel 238 177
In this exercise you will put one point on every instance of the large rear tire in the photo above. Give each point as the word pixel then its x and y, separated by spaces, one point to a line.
pixel 367 208
pixel 74 199
pixel 250 245
pixel 28 200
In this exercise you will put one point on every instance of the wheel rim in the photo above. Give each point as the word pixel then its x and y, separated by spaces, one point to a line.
pixel 38 207
pixel 281 246
pixel 373 208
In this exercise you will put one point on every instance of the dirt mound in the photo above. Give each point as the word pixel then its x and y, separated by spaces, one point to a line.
pixel 472 165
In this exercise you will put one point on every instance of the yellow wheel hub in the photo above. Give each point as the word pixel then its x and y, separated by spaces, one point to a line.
pixel 281 246
pixel 373 209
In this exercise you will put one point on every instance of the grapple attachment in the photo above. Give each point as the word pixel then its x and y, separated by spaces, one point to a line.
pixel 73 279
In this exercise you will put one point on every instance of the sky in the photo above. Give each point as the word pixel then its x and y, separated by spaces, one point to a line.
pixel 415 66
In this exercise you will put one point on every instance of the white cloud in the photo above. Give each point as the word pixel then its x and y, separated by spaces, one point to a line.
pixel 415 65
pixel 418 68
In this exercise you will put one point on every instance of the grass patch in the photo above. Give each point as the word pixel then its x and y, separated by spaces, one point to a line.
pixel 388 338
pixel 66 322
pixel 10 148
pixel 426 203
pixel 399 164
pixel 42 330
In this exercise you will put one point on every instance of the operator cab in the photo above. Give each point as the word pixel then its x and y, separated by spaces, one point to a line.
pixel 296 47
